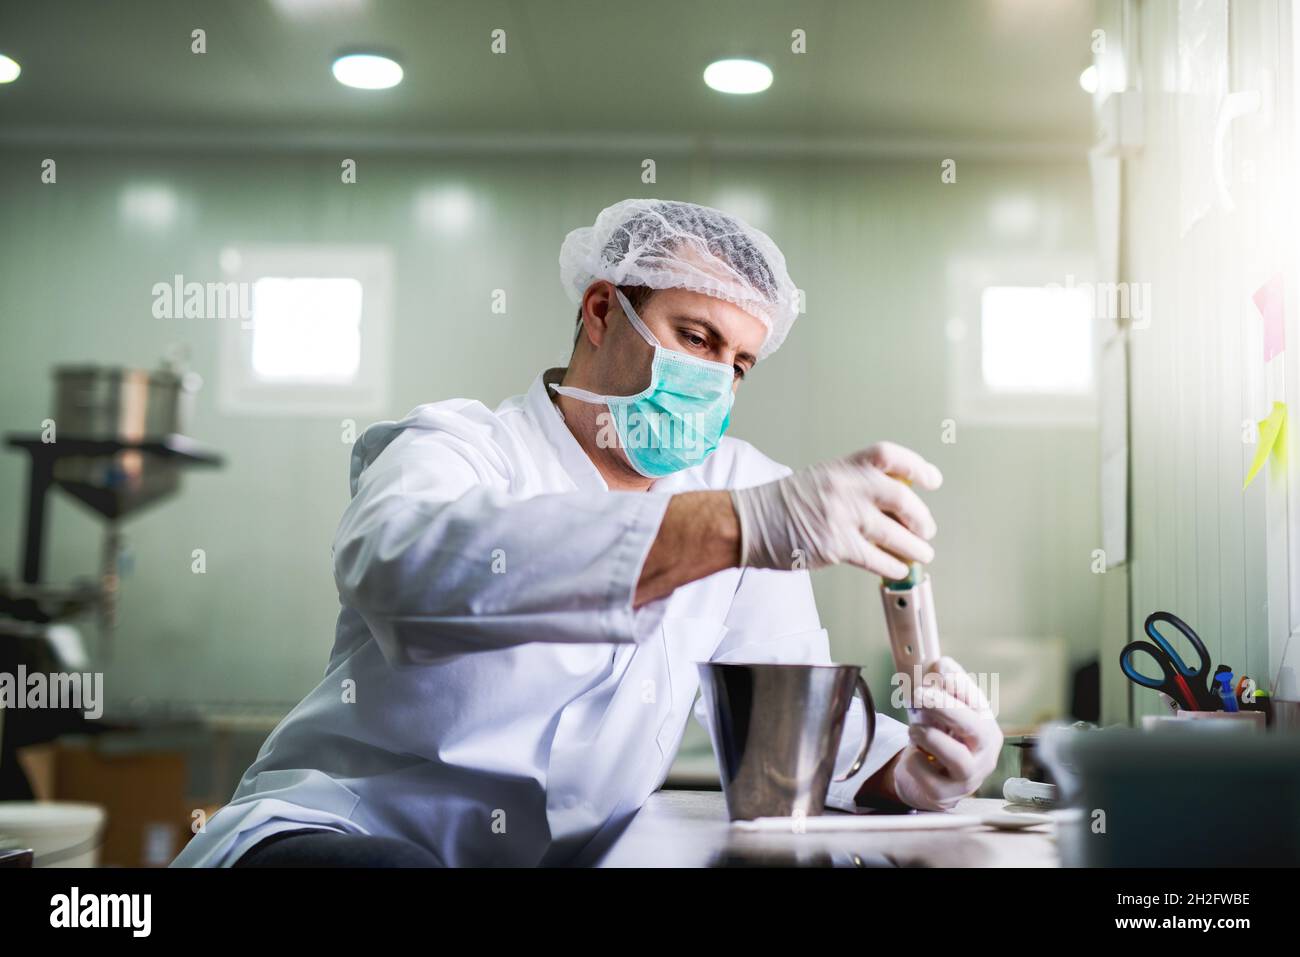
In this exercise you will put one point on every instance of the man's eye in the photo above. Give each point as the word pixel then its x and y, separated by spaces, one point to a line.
pixel 740 371
pixel 694 339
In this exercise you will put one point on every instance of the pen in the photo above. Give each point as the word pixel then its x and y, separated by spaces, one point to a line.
pixel 1224 681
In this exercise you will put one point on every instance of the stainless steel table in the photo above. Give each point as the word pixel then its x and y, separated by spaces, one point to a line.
pixel 690 829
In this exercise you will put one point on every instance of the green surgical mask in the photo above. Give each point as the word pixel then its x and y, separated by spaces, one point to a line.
pixel 678 420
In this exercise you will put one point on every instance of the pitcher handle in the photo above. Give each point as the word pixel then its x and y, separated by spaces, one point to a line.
pixel 869 719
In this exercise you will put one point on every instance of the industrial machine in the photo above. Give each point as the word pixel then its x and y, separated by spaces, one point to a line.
pixel 116 444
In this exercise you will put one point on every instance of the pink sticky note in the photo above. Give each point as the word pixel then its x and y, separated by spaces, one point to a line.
pixel 1271 303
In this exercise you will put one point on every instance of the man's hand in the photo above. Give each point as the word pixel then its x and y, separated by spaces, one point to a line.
pixel 856 510
pixel 954 745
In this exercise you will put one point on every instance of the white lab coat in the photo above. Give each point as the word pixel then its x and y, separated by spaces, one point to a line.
pixel 492 696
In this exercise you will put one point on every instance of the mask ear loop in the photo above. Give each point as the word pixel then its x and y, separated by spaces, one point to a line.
pixel 662 351
pixel 633 318
pixel 596 399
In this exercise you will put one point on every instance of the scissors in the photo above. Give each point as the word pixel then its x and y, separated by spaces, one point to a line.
pixel 1188 686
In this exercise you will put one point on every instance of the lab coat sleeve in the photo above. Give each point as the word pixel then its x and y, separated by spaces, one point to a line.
pixel 440 558
pixel 773 618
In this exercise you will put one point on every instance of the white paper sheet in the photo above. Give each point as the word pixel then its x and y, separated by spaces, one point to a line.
pixel 919 821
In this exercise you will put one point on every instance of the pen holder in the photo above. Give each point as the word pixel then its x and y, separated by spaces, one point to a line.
pixel 1217 720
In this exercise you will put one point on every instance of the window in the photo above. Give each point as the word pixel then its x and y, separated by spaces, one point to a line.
pixel 1022 342
pixel 306 330
pixel 315 336
pixel 1036 339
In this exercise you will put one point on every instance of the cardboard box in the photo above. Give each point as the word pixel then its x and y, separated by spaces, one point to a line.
pixel 142 791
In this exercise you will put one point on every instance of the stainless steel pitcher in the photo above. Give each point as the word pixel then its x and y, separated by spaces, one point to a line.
pixel 776 733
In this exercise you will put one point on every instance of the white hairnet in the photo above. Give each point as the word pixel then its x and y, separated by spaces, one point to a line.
pixel 666 244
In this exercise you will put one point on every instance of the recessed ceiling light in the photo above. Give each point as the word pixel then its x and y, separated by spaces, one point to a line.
pixel 9 69
pixel 738 76
pixel 1088 79
pixel 367 71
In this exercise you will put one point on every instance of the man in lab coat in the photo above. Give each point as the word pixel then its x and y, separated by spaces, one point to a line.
pixel 525 591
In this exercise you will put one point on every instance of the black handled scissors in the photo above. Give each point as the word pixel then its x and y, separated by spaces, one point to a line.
pixel 1188 686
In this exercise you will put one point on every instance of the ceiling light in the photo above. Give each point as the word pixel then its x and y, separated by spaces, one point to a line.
pixel 9 69
pixel 367 71
pixel 738 76
pixel 1088 79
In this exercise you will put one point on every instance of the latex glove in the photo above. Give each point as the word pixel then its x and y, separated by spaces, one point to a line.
pixel 853 510
pixel 954 742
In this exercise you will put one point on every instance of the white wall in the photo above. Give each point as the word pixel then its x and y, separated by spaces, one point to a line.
pixel 869 240
pixel 1202 548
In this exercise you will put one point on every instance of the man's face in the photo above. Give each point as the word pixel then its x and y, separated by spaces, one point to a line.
pixel 687 322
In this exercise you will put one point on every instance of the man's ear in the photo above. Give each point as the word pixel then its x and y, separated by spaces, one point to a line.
pixel 596 302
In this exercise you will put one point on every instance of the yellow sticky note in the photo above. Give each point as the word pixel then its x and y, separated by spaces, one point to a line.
pixel 1272 439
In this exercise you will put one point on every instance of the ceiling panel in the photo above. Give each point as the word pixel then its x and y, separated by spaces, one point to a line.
pixel 991 70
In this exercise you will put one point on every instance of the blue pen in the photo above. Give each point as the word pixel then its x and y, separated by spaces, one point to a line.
pixel 1224 681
